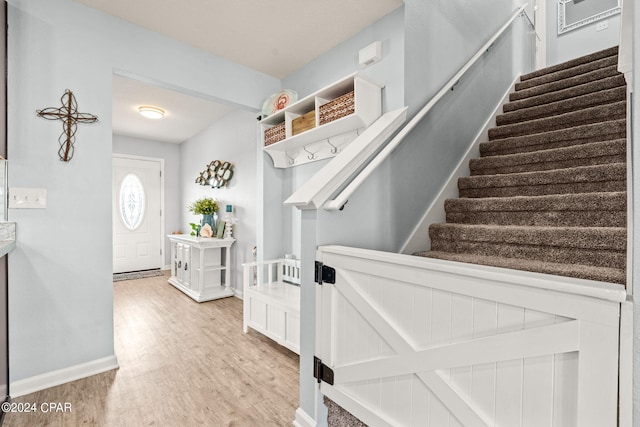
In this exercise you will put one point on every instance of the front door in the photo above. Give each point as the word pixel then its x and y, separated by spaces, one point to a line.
pixel 137 234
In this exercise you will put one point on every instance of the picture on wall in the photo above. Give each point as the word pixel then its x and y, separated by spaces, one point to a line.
pixel 574 14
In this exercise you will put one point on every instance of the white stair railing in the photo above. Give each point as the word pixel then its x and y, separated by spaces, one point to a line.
pixel 342 198
pixel 317 190
pixel 347 167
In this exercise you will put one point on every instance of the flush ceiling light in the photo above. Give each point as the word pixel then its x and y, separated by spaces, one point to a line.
pixel 151 112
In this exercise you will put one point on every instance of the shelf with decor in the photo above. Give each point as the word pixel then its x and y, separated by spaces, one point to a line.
pixel 322 124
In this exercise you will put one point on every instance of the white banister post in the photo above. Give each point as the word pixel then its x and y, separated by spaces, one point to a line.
pixel 308 385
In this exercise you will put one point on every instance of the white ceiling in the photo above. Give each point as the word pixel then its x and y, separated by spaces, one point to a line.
pixel 185 115
pixel 276 37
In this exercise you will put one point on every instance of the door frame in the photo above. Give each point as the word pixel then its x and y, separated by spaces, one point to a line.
pixel 540 24
pixel 163 248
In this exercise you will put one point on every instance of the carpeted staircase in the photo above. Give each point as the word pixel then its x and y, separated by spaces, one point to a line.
pixel 548 193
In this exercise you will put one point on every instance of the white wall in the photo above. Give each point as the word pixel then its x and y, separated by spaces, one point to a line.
pixel 170 153
pixel 581 41
pixel 61 308
pixel 232 139
pixel 362 222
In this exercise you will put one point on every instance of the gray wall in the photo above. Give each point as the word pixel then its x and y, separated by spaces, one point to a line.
pixel 232 138
pixel 170 153
pixel 578 42
pixel 440 37
pixel 361 223
pixel 60 274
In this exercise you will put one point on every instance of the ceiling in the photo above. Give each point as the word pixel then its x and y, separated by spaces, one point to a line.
pixel 185 116
pixel 275 37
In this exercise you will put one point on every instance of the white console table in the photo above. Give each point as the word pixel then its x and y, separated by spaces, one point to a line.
pixel 200 266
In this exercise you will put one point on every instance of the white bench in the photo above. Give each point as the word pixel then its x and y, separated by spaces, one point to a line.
pixel 272 300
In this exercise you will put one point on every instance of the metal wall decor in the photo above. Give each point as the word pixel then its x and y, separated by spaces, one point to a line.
pixel 70 118
pixel 217 174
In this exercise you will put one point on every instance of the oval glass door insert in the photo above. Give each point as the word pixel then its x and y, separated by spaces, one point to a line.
pixel 132 201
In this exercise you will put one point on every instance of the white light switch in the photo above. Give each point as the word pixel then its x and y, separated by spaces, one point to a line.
pixel 27 198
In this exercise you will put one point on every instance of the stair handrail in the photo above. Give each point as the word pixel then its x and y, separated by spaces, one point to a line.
pixel 341 199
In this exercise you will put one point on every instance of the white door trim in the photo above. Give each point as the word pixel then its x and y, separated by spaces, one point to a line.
pixel 540 21
pixel 162 207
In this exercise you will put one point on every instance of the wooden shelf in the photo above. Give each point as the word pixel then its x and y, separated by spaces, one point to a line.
pixel 323 141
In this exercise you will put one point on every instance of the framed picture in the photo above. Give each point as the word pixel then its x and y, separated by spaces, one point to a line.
pixel 574 14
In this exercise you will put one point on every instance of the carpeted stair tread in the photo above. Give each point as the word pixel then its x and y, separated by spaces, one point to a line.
pixel 602 274
pixel 593 153
pixel 599 238
pixel 597 114
pixel 605 131
pixel 597 246
pixel 567 73
pixel 583 89
pixel 612 51
pixel 337 416
pixel 583 179
pixel 558 210
pixel 578 80
pixel 576 103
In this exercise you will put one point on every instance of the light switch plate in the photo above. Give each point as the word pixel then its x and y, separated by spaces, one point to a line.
pixel 27 198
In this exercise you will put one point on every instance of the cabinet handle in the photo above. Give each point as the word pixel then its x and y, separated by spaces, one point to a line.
pixel 179 264
pixel 186 265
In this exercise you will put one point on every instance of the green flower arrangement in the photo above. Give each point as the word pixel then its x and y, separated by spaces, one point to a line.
pixel 204 206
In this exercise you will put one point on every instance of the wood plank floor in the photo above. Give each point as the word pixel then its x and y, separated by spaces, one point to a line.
pixel 181 364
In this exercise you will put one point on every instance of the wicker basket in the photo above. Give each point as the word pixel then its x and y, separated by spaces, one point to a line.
pixel 337 109
pixel 274 134
pixel 305 122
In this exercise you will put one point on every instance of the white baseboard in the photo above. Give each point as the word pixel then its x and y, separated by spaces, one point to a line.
pixel 61 376
pixel 303 419
pixel 419 239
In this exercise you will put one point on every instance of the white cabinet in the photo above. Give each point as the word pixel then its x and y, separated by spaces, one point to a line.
pixel 200 266
pixel 323 139
pixel 181 264
pixel 272 300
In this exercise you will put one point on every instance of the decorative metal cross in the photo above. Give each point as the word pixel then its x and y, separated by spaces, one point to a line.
pixel 70 118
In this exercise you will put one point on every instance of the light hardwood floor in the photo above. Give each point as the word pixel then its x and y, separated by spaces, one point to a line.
pixel 181 364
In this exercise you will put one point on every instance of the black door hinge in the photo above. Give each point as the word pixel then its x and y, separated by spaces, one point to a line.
pixel 322 372
pixel 324 274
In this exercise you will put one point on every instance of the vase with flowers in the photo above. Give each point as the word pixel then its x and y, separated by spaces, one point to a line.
pixel 208 208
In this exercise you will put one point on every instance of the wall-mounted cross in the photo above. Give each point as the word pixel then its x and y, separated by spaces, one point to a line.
pixel 70 118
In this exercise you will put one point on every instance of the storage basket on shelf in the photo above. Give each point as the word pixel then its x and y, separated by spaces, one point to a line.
pixel 274 134
pixel 337 109
pixel 304 122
